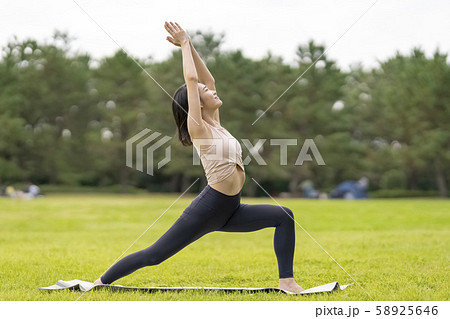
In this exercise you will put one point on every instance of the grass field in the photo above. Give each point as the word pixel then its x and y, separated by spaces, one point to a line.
pixel 395 249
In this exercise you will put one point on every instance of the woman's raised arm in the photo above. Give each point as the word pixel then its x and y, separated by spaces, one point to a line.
pixel 195 123
pixel 204 76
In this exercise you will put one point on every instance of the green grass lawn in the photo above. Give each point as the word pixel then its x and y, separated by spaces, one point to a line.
pixel 395 249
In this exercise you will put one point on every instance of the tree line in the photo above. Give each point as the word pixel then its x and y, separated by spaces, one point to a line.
pixel 65 117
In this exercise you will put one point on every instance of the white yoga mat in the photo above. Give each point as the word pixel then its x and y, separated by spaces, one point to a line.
pixel 80 285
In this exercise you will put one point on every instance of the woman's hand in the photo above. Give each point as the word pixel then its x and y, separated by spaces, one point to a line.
pixel 178 35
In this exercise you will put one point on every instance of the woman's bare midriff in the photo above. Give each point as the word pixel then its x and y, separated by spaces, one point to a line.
pixel 233 184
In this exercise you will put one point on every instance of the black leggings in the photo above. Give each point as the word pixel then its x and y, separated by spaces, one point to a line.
pixel 212 211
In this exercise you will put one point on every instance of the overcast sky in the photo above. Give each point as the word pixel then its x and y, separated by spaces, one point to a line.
pixel 255 26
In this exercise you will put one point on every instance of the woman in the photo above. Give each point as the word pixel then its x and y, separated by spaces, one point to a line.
pixel 217 207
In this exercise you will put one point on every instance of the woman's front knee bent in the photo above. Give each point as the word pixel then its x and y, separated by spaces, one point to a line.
pixel 288 212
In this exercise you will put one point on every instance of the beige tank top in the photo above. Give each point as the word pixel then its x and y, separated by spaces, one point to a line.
pixel 220 155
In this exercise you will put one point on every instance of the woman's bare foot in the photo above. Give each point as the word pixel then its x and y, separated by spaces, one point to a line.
pixel 290 285
pixel 98 282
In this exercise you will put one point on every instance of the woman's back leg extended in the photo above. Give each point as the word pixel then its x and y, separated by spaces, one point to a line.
pixel 183 232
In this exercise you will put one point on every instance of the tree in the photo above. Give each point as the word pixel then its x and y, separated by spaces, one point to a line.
pixel 410 107
pixel 309 113
pixel 123 103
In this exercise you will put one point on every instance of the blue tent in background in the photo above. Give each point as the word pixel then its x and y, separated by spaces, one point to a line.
pixel 351 189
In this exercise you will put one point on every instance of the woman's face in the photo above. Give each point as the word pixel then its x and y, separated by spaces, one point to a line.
pixel 208 98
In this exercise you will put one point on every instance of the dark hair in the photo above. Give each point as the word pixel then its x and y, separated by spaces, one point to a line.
pixel 180 109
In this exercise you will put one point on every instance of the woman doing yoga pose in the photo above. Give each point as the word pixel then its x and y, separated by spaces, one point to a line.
pixel 218 207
